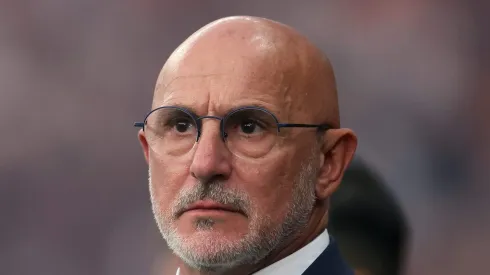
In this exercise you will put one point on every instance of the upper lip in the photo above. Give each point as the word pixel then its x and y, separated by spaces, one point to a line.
pixel 211 205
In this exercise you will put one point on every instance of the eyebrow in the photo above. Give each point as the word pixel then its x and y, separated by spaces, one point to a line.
pixel 188 108
pixel 194 112
pixel 269 107
pixel 253 105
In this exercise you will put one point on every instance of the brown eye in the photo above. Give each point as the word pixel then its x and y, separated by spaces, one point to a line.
pixel 182 126
pixel 249 127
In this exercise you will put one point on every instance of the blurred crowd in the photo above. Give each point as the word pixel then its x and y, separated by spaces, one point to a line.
pixel 413 78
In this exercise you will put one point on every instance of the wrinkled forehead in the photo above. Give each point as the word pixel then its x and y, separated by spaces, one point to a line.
pixel 222 92
pixel 221 76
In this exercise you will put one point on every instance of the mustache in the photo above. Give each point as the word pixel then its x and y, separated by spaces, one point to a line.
pixel 214 191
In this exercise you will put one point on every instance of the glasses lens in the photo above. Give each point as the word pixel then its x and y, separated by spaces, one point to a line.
pixel 250 132
pixel 170 130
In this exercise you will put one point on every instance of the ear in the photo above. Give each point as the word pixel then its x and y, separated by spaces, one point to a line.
pixel 339 146
pixel 144 144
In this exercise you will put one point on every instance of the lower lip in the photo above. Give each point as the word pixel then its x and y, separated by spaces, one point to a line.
pixel 208 212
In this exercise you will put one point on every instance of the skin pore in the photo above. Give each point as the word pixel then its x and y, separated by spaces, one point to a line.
pixel 281 199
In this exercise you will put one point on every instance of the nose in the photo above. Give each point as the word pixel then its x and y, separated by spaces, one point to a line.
pixel 211 157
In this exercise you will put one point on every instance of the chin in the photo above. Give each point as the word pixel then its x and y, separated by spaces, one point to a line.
pixel 211 241
pixel 225 226
pixel 218 234
pixel 213 245
pixel 209 248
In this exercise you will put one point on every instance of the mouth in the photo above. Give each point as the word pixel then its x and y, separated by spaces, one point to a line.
pixel 206 206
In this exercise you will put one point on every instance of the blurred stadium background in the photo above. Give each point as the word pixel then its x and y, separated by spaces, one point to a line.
pixel 414 83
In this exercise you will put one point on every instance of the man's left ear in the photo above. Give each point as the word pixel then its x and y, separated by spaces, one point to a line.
pixel 339 146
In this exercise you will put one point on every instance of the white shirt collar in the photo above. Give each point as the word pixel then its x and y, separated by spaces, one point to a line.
pixel 299 261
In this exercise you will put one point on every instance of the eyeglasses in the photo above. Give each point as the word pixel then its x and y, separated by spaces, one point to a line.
pixel 247 131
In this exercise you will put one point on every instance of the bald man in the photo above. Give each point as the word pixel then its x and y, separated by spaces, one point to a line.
pixel 244 148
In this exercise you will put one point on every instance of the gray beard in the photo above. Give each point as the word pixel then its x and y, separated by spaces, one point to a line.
pixel 263 236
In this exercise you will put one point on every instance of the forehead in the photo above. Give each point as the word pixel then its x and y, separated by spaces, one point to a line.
pixel 217 93
pixel 215 77
pixel 221 92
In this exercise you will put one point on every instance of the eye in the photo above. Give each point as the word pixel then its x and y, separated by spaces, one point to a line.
pixel 249 126
pixel 249 123
pixel 181 125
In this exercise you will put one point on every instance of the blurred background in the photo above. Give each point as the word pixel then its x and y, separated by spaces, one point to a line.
pixel 413 78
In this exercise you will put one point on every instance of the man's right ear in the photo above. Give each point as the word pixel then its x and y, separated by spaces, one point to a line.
pixel 144 144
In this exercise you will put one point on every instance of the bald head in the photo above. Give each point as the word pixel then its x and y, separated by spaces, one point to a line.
pixel 244 52
pixel 239 118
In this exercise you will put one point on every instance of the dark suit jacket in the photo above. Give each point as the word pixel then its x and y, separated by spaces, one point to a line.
pixel 330 262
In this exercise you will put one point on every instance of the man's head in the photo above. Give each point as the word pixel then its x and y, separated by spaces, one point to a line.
pixel 273 179
pixel 368 223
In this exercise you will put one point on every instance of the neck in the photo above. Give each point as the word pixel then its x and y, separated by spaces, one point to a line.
pixel 316 226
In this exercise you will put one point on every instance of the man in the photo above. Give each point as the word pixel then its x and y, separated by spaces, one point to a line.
pixel 244 148
pixel 368 223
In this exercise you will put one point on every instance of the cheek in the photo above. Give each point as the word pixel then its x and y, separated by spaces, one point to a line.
pixel 166 179
pixel 269 184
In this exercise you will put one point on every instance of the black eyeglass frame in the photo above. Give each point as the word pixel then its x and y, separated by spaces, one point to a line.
pixel 197 119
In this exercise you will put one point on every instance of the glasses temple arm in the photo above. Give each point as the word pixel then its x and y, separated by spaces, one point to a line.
pixel 139 124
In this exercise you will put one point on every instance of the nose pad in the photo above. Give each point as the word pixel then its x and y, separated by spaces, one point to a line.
pixel 198 136
pixel 224 134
